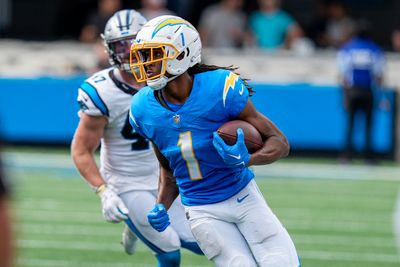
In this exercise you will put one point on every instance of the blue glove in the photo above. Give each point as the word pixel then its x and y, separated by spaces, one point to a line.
pixel 158 217
pixel 232 155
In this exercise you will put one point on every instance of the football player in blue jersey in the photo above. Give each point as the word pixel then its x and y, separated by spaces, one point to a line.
pixel 179 111
pixel 361 65
pixel 127 179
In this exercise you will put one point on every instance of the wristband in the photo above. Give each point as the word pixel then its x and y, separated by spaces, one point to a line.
pixel 100 189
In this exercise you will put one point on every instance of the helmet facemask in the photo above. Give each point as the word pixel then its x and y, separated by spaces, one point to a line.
pixel 149 62
pixel 119 52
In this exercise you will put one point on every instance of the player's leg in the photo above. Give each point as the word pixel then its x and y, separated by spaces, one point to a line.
pixel 220 240
pixel 368 104
pixel 164 245
pixel 351 111
pixel 179 222
pixel 268 240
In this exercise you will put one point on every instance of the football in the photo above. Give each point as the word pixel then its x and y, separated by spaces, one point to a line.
pixel 252 137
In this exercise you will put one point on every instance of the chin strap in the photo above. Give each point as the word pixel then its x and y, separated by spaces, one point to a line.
pixel 160 83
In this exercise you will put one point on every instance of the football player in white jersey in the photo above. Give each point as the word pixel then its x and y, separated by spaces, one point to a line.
pixel 127 179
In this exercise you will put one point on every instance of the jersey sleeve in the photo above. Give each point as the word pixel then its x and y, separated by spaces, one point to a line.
pixel 379 63
pixel 235 94
pixel 136 124
pixel 343 62
pixel 90 101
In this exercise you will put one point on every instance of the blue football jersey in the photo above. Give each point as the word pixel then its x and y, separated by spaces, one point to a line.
pixel 360 62
pixel 185 136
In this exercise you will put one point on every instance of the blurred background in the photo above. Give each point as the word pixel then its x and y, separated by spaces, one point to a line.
pixel 336 193
pixel 290 59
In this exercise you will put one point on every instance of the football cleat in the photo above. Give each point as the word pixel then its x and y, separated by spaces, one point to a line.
pixel 129 241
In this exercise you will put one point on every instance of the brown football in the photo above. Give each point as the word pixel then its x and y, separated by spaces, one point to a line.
pixel 252 137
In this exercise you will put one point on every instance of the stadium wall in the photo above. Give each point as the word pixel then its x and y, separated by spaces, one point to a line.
pixel 44 111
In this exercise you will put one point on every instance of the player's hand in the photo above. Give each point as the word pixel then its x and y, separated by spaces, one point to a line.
pixel 114 210
pixel 158 217
pixel 232 155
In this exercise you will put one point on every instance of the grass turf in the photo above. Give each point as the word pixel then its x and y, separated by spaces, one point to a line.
pixel 333 221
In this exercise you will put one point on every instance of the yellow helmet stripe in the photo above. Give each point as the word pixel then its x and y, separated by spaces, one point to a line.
pixel 171 22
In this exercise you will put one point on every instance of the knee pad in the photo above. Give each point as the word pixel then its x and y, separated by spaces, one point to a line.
pixel 169 259
pixel 208 239
pixel 276 258
pixel 239 261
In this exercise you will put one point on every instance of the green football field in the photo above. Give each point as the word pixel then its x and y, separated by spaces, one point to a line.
pixel 337 215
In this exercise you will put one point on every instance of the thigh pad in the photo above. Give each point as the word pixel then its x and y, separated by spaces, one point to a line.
pixel 208 239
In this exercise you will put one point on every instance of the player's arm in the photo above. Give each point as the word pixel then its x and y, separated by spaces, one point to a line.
pixel 167 192
pixel 6 236
pixel 86 139
pixel 168 189
pixel 276 145
pixel 6 246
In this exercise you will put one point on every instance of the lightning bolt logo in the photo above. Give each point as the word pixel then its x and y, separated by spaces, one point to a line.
pixel 171 22
pixel 230 82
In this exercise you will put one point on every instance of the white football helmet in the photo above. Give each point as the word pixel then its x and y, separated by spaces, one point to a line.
pixel 180 46
pixel 120 32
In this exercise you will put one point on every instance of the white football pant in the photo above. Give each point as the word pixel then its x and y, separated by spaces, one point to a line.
pixel 139 203
pixel 242 231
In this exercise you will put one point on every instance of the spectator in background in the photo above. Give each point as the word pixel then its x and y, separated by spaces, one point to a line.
pixel 317 27
pixel 396 38
pixel 154 8
pixel 361 65
pixel 94 26
pixel 96 21
pixel 184 8
pixel 272 27
pixel 340 27
pixel 6 244
pixel 223 25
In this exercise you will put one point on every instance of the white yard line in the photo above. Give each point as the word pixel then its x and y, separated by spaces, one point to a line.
pixel 293 223
pixel 106 232
pixel 21 160
pixel 350 256
pixel 72 263
pixel 329 171
pixel 343 240
pixel 304 254
pixel 26 159
pixel 80 263
pixel 70 245
pixel 69 230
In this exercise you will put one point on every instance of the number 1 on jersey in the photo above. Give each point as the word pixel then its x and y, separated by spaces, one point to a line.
pixel 186 145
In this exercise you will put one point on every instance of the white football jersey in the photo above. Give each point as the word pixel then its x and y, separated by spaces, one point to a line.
pixel 127 159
